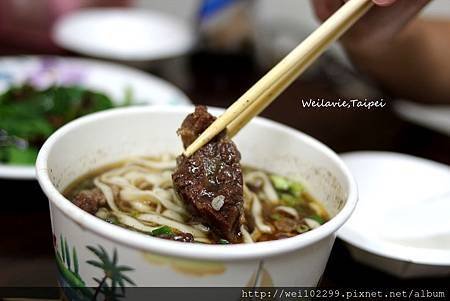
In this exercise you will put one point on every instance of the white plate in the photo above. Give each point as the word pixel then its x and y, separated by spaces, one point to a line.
pixel 403 215
pixel 435 117
pixel 124 34
pixel 112 79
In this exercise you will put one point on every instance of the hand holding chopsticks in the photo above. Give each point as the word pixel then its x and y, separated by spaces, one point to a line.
pixel 261 94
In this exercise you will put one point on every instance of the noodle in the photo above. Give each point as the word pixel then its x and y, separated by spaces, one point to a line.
pixel 269 191
pixel 312 223
pixel 107 191
pixel 289 210
pixel 157 165
pixel 160 220
pixel 248 197
pixel 257 215
pixel 246 236
pixel 132 222
pixel 173 215
pixel 140 207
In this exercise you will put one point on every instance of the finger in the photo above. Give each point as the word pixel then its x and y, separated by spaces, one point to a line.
pixel 325 8
pixel 320 9
pixel 382 22
pixel 384 2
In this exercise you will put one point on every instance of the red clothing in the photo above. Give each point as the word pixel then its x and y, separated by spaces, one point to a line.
pixel 25 25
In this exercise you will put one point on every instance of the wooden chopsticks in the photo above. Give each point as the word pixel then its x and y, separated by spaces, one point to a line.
pixel 261 94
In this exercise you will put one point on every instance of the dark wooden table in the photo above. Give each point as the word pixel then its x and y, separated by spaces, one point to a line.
pixel 26 253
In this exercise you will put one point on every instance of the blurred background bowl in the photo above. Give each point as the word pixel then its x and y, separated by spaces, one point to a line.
pixel 125 34
pixel 401 224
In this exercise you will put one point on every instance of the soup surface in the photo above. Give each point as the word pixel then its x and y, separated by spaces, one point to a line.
pixel 138 194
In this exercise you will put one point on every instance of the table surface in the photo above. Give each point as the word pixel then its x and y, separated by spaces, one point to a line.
pixel 26 252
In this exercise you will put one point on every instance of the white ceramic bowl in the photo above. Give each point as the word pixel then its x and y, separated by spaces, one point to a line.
pixel 396 191
pixel 127 34
pixel 106 137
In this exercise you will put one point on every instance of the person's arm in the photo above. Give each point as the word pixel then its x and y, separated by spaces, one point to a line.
pixel 414 65
pixel 408 57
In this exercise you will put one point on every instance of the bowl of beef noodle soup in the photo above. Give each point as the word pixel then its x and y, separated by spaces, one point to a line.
pixel 259 209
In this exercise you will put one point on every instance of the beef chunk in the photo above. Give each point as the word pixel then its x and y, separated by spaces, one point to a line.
pixel 210 181
pixel 286 224
pixel 194 124
pixel 89 200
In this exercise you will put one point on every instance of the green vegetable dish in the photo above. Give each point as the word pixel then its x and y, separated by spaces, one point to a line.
pixel 28 116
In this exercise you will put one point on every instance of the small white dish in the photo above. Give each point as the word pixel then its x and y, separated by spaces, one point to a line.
pixel 435 117
pixel 126 34
pixel 112 79
pixel 402 223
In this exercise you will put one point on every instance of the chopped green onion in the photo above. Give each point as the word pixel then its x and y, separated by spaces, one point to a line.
pixel 289 200
pixel 317 219
pixel 275 217
pixel 280 183
pixel 112 220
pixel 296 189
pixel 302 229
pixel 289 191
pixel 164 230
pixel 223 241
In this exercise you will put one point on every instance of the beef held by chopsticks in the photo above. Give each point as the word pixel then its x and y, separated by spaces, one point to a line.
pixel 210 181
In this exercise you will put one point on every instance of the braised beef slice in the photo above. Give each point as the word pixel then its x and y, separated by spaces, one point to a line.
pixel 194 124
pixel 89 200
pixel 212 171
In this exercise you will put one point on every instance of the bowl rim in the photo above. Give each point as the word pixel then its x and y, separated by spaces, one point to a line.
pixel 144 242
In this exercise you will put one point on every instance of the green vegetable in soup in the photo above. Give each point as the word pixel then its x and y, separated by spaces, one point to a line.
pixel 302 228
pixel 289 200
pixel 289 191
pixel 275 216
pixel 317 218
pixel 296 189
pixel 164 230
pixel 280 183
pixel 223 241
pixel 112 220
